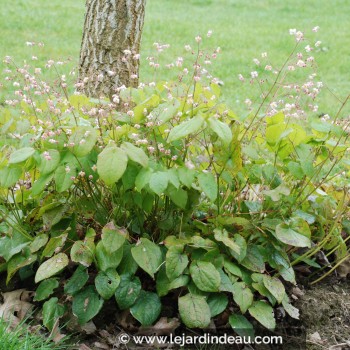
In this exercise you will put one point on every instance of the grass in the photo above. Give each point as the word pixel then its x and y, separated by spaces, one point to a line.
pixel 21 339
pixel 243 29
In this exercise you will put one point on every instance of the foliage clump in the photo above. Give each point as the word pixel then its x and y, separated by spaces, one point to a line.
pixel 165 191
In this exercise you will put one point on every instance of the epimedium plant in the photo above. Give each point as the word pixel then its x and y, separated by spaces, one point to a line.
pixel 165 191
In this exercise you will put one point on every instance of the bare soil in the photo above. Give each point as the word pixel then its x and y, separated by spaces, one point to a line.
pixel 325 313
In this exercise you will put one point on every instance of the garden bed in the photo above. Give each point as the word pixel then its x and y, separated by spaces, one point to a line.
pixel 324 316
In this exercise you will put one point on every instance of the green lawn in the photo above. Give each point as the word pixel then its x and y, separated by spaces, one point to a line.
pixel 243 29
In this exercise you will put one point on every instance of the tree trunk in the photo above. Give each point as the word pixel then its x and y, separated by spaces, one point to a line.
pixel 110 45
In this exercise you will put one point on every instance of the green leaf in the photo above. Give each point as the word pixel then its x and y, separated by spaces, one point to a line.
pixel 222 236
pixel 194 311
pixel 45 289
pixel 276 193
pixel 203 243
pixel 148 256
pixel 186 176
pixel 178 196
pixel 48 166
pixel 51 267
pixel 221 129
pixel 254 261
pixel 86 304
pixel 288 274
pixel 55 244
pixel 158 182
pixel 166 111
pixel 128 291
pixel 208 184
pixel 232 268
pixel 263 313
pixel 146 308
pixel 242 295
pixel 39 242
pixel 40 184
pixel 173 177
pixel 9 176
pixel 52 311
pixel 111 164
pixel 258 278
pixel 128 264
pixel 214 257
pixel 12 244
pixel 164 285
pixel 113 238
pixel 275 287
pixel 241 326
pixel 83 252
pixel 143 178
pixel 181 281
pixel 77 281
pixel 205 276
pixel 225 284
pixel 290 309
pixel 185 128
pixel 297 233
pixel 217 303
pixel 21 155
pixel 175 263
pixel 242 244
pixel 105 260
pixel 273 133
pixel 84 140
pixel 54 216
pixel 17 262
pixel 63 178
pixel 296 170
pixel 136 154
pixel 106 283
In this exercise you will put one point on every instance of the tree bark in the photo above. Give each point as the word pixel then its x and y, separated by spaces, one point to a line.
pixel 110 45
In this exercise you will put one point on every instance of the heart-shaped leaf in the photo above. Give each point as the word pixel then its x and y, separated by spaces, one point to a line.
pixel 263 313
pixel 146 308
pixel 275 287
pixel 111 164
pixel 242 295
pixel 128 291
pixel 136 154
pixel 148 256
pixel 106 283
pixel 175 263
pixel 113 238
pixel 217 303
pixel 107 260
pixel 21 155
pixel 77 281
pixel 45 289
pixel 241 325
pixel 52 311
pixel 205 276
pixel 194 311
pixel 86 304
pixel 296 233
pixel 51 267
